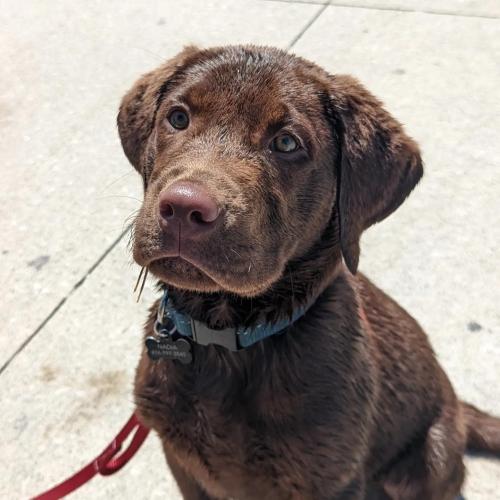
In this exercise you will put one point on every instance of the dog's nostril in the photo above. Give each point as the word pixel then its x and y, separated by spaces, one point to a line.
pixel 188 203
pixel 167 211
pixel 197 217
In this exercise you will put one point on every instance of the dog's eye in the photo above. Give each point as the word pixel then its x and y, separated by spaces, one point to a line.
pixel 178 119
pixel 285 143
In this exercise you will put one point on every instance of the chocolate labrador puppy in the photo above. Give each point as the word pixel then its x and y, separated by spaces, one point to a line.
pixel 274 370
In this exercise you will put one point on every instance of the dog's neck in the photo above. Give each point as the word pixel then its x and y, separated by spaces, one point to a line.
pixel 302 282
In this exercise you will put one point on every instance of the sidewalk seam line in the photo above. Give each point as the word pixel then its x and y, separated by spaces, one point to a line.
pixel 390 9
pixel 56 309
pixel 423 11
pixel 307 26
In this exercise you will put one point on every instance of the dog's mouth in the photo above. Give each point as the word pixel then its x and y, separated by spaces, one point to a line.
pixel 183 273
pixel 189 273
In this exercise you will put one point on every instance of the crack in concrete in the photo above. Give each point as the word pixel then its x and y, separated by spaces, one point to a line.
pixel 56 309
pixel 307 26
pixel 443 12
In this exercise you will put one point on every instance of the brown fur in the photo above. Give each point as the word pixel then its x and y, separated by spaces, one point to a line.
pixel 350 402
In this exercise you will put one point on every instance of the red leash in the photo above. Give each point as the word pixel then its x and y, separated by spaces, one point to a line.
pixel 106 463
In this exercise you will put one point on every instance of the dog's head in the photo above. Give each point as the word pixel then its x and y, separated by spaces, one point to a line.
pixel 247 155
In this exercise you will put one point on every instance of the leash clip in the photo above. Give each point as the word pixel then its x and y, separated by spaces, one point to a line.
pixel 109 462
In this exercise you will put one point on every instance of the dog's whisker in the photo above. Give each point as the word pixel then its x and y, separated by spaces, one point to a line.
pixel 143 283
pixel 118 196
pixel 132 214
pixel 138 279
pixel 234 251
pixel 150 52
pixel 117 180
pixel 291 284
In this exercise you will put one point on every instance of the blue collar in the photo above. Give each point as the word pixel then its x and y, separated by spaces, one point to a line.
pixel 171 322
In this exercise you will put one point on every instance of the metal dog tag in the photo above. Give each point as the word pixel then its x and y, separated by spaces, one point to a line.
pixel 165 347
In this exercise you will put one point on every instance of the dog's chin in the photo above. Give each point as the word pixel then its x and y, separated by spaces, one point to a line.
pixel 177 272
pixel 184 275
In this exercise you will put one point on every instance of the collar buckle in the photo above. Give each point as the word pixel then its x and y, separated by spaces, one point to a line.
pixel 203 335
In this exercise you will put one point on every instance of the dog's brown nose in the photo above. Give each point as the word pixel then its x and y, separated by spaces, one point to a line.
pixel 190 205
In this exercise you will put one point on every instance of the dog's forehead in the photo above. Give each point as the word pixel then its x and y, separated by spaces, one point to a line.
pixel 251 84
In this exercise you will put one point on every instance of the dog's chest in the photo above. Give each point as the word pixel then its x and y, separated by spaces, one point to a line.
pixel 226 443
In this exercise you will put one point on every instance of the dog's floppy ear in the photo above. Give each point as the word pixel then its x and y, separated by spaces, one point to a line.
pixel 379 164
pixel 139 105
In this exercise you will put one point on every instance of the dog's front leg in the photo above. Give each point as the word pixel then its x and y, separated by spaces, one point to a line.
pixel 355 490
pixel 188 486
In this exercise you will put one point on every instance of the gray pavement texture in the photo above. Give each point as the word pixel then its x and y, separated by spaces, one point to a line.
pixel 69 325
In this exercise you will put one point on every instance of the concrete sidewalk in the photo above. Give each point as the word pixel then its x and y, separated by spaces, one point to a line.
pixel 69 326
